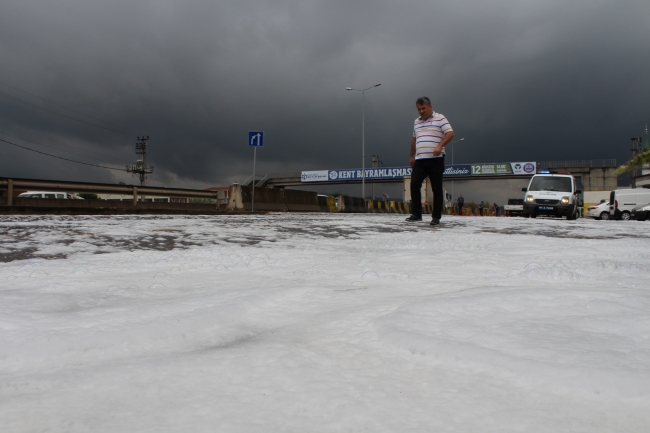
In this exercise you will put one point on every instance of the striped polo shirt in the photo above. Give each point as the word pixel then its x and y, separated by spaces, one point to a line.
pixel 428 133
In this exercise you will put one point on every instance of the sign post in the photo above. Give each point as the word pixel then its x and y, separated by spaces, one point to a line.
pixel 255 140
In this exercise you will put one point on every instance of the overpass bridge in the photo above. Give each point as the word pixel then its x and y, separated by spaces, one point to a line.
pixel 595 174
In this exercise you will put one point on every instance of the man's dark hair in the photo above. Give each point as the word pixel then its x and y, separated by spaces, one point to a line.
pixel 423 101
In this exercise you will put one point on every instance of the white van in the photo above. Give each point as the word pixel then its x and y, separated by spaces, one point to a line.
pixel 552 195
pixel 49 194
pixel 622 201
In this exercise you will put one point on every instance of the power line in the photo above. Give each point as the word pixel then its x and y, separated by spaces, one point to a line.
pixel 61 114
pixel 58 105
pixel 59 157
pixel 34 136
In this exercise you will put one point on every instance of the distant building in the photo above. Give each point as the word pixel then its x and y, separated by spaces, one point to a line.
pixel 222 193
pixel 127 197
pixel 222 197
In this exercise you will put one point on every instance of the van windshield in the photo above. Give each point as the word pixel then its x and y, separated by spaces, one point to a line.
pixel 550 183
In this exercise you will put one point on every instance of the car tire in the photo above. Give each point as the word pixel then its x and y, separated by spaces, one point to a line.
pixel 625 216
pixel 572 215
pixel 532 215
pixel 604 216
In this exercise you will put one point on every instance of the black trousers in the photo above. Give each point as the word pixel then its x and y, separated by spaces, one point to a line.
pixel 433 168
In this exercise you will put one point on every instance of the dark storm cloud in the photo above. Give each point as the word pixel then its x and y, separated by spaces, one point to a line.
pixel 539 80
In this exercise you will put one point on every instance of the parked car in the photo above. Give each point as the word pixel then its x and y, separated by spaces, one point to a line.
pixel 552 195
pixel 599 211
pixel 49 194
pixel 622 201
pixel 640 213
pixel 515 206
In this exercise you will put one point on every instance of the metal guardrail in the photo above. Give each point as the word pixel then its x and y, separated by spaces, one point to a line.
pixel 284 175
pixel 578 163
pixel 249 181
pixel 261 183
pixel 271 177
pixel 65 186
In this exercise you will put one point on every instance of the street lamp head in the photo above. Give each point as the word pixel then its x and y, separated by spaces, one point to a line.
pixel 377 85
pixel 348 88
pixel 462 139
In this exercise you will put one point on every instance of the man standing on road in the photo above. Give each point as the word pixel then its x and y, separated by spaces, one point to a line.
pixel 461 203
pixel 431 133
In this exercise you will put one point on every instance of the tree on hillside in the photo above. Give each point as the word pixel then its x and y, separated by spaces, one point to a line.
pixel 635 163
pixel 639 160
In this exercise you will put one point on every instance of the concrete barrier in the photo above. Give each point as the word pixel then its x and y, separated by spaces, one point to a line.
pixel 299 201
pixel 378 206
pixel 50 206
pixel 351 204
pixel 240 198
pixel 266 199
pixel 373 206
pixel 399 207
pixel 327 204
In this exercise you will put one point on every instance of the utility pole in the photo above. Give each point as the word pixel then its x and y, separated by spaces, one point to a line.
pixel 376 162
pixel 636 149
pixel 139 167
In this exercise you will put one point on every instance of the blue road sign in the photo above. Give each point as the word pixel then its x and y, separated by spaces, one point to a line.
pixel 256 138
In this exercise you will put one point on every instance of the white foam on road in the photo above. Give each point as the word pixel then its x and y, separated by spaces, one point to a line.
pixel 323 323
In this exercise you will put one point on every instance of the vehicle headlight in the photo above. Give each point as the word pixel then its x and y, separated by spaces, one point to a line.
pixel 565 200
pixel 529 199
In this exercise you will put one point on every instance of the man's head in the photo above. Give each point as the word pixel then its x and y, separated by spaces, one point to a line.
pixel 423 105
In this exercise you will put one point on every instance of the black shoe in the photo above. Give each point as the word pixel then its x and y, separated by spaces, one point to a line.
pixel 435 221
pixel 414 218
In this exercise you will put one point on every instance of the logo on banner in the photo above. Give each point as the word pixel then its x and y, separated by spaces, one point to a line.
pixel 313 176
pixel 523 167
pixel 334 175
pixel 456 170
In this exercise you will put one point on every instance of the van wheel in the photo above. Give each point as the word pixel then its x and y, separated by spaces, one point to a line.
pixel 625 216
pixel 572 215
pixel 604 216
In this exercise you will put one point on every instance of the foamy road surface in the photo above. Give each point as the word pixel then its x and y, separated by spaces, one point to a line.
pixel 323 323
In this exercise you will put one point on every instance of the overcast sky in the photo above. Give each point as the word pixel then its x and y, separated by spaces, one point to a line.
pixel 519 80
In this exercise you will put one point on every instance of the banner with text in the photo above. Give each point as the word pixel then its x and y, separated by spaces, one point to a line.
pixel 355 174
pixel 383 173
pixel 504 168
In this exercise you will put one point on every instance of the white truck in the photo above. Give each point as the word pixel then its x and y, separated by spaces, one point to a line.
pixel 622 201
pixel 515 207
pixel 49 194
pixel 552 195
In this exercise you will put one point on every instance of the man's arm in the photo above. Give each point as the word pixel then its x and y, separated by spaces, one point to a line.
pixel 412 151
pixel 445 140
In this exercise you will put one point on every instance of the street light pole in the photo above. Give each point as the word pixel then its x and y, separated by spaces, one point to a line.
pixel 363 136
pixel 452 163
pixel 375 163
